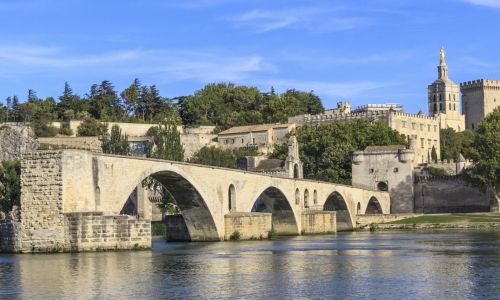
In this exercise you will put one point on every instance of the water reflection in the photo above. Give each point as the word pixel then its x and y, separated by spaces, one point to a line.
pixel 347 265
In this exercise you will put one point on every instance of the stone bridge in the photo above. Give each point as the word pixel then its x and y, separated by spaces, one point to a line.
pixel 59 187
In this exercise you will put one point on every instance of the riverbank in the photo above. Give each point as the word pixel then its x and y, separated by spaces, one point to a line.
pixel 470 221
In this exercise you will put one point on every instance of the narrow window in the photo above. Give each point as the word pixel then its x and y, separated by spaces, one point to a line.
pixel 396 170
pixel 371 171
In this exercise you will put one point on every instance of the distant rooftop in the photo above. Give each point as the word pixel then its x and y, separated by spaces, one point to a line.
pixel 253 128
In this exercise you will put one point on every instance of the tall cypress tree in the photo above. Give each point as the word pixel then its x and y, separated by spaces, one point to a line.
pixel 166 141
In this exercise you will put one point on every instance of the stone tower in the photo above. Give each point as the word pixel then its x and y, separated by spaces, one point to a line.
pixel 293 164
pixel 444 99
pixel 480 97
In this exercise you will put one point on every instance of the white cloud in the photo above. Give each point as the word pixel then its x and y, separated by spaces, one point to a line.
pixel 317 19
pixel 167 66
pixel 330 89
pixel 490 3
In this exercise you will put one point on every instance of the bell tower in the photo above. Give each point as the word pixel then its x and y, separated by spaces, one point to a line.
pixel 444 98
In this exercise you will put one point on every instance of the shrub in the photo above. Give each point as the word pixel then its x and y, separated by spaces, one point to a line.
pixel 92 127
pixel 235 236
pixel 272 234
pixel 66 131
pixel 10 185
pixel 373 227
pixel 437 171
pixel 44 130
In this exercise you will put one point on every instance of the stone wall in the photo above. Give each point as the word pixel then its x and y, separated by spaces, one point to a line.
pixel 448 194
pixel 41 202
pixel 91 231
pixel 249 225
pixel 317 222
pixel 89 143
pixel 15 140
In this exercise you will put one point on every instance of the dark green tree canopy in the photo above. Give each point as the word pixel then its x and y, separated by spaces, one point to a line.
pixel 116 142
pixel 486 153
pixel 165 141
pixel 454 143
pixel 325 150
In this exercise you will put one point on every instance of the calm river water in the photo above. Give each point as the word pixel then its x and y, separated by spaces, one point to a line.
pixel 347 265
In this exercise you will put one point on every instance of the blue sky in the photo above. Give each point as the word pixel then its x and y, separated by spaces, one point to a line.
pixel 372 51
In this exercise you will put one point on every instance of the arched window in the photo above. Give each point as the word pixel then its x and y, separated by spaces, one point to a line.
pixel 435 107
pixel 434 97
pixel 296 171
pixel 297 197
pixel 382 186
pixel 440 106
pixel 315 197
pixel 306 198
pixel 449 106
pixel 358 208
pixel 231 196
pixel 454 107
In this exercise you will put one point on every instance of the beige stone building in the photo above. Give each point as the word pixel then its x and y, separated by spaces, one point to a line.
pixel 480 97
pixel 419 128
pixel 261 137
pixel 444 99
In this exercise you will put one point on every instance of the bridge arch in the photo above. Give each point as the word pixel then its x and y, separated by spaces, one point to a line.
pixel 336 202
pixel 197 216
pixel 373 206
pixel 273 200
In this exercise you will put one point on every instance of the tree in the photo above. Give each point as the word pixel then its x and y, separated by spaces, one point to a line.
pixel 115 143
pixel 91 127
pixel 166 142
pixel 486 154
pixel 454 143
pixel 10 185
pixel 69 103
pixel 213 156
pixel 434 156
pixel 325 150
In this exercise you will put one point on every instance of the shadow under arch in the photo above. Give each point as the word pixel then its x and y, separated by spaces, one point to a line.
pixel 335 202
pixel 195 217
pixel 272 200
pixel 373 206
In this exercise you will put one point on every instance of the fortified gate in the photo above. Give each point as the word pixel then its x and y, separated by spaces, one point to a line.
pixel 71 201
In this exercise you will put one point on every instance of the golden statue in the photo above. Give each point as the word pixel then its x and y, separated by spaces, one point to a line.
pixel 441 56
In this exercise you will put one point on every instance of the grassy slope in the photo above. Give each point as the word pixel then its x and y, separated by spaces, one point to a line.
pixel 453 218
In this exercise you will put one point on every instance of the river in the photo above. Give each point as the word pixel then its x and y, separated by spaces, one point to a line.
pixel 361 265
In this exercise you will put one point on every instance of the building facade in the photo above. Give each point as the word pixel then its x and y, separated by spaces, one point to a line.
pixel 386 168
pixel 261 137
pixel 444 99
pixel 419 128
pixel 480 97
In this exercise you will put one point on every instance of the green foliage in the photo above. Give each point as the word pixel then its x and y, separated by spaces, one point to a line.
pixel 166 141
pixel 272 234
pixel 454 143
pixel 226 105
pixel 66 131
pixel 373 227
pixel 91 127
pixel 437 171
pixel 235 236
pixel 325 150
pixel 486 154
pixel 10 185
pixel 158 228
pixel 434 156
pixel 218 157
pixel 115 143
